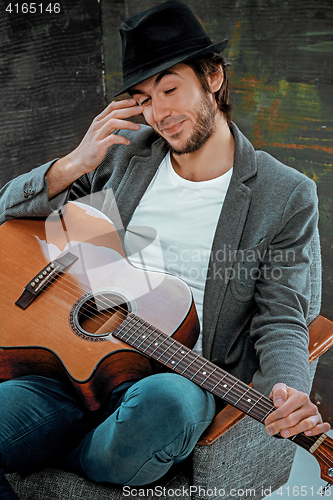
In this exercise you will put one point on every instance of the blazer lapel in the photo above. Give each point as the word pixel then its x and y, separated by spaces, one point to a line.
pixel 227 236
pixel 226 241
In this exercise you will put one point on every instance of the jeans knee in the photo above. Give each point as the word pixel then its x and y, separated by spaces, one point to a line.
pixel 157 424
pixel 170 399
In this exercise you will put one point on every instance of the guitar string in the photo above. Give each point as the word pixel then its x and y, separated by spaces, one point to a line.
pixel 264 405
pixel 108 302
pixel 323 457
pixel 326 460
pixel 71 291
pixel 217 380
pixel 262 408
pixel 307 441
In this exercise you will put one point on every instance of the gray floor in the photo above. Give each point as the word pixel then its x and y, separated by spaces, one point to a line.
pixel 304 481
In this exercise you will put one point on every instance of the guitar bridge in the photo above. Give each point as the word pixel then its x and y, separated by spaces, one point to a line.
pixel 44 278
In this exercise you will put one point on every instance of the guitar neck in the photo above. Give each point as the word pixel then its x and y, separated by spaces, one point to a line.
pixel 157 345
pixel 182 360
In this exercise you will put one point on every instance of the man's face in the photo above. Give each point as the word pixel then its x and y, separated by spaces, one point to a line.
pixel 178 108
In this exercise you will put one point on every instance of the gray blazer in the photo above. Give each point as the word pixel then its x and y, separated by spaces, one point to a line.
pixel 258 289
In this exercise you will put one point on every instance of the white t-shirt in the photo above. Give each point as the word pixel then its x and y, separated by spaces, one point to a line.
pixel 184 215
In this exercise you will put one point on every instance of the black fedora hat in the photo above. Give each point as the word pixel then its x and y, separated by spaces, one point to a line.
pixel 159 38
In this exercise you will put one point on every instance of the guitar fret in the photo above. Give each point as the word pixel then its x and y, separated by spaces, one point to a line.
pixel 238 400
pixel 197 372
pixel 154 340
pixel 182 351
pixel 227 385
pixel 253 406
pixel 188 366
pixel 126 331
pixel 158 346
pixel 172 355
pixel 230 388
pixel 266 415
pixel 209 376
pixel 144 337
pixel 159 357
pixel 166 341
pixel 216 385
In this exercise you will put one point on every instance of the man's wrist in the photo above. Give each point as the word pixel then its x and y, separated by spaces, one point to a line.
pixel 61 175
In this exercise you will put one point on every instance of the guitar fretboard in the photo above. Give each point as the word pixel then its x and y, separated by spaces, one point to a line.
pixel 182 360
pixel 157 345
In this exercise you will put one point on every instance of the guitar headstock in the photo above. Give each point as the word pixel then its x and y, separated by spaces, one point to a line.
pixel 324 455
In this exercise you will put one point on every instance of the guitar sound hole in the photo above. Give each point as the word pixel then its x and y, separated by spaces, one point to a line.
pixel 97 315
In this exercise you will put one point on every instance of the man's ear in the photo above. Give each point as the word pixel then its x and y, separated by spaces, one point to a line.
pixel 215 80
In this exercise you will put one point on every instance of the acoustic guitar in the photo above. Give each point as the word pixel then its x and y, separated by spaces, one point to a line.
pixel 75 308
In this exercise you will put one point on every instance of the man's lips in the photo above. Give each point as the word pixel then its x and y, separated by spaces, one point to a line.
pixel 172 128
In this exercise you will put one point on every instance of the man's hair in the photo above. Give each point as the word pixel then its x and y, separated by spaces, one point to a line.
pixel 211 64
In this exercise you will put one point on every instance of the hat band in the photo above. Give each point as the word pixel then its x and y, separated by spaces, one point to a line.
pixel 193 44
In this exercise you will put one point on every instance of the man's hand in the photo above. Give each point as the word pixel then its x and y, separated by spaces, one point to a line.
pixel 294 414
pixel 94 145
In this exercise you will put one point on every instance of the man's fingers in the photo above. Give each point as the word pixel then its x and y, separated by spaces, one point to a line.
pixel 122 113
pixel 298 406
pixel 116 119
pixel 112 125
pixel 115 139
pixel 119 109
pixel 307 426
pixel 294 413
pixel 279 394
pixel 298 421
pixel 318 429
pixel 295 401
pixel 126 103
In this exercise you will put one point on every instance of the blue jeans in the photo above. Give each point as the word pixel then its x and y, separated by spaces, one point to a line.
pixel 140 433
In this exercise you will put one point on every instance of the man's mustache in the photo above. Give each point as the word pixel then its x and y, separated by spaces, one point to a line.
pixel 170 122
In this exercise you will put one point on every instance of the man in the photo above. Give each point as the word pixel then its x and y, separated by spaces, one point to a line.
pixel 193 177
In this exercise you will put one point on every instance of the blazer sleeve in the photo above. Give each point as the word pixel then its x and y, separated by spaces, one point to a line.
pixel 283 296
pixel 27 195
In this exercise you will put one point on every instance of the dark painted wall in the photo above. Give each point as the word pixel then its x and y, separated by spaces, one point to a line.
pixel 50 79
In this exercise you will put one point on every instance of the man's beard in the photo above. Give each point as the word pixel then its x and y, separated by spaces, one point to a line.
pixel 203 129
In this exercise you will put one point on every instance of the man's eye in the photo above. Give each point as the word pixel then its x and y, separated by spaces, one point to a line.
pixel 143 102
pixel 169 91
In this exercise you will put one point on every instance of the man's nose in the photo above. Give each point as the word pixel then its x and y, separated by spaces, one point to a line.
pixel 160 109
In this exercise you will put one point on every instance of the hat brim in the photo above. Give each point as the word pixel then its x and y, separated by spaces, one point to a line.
pixel 143 75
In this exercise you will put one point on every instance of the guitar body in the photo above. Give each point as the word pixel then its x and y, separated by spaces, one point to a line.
pixel 66 331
